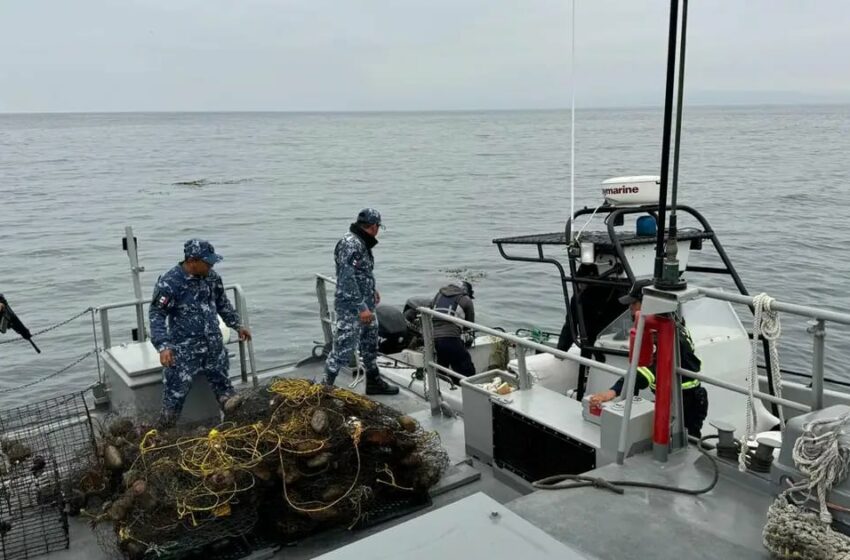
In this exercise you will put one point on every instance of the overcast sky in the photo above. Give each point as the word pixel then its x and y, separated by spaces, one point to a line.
pixel 296 55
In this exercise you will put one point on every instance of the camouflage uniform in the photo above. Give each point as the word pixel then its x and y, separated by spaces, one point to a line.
pixel 355 292
pixel 184 318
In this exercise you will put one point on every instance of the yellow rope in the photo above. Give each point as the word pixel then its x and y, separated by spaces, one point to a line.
pixel 296 392
pixel 357 429
pixel 230 450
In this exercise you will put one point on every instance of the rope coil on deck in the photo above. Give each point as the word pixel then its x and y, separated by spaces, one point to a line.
pixel 766 325
pixel 792 531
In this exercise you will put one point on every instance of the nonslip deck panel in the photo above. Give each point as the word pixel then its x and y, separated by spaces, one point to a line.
pixel 475 527
pixel 724 523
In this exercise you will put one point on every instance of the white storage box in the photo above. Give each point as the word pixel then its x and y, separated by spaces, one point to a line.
pixel 478 413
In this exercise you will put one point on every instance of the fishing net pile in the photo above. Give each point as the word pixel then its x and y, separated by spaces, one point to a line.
pixel 294 459
pixel 793 530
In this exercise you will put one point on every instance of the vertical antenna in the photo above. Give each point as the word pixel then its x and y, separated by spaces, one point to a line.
pixel 573 122
pixel 670 278
pixel 665 139
pixel 679 101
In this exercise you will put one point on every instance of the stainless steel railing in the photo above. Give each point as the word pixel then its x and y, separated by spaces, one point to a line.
pixel 522 345
pixel 247 360
pixel 817 329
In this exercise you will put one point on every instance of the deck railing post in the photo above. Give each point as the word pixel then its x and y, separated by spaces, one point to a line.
pixel 104 326
pixel 243 350
pixel 429 357
pixel 324 310
pixel 100 376
pixel 523 376
pixel 818 332
pixel 629 389
pixel 136 270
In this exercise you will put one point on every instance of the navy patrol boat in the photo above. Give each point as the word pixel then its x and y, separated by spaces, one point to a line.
pixel 536 472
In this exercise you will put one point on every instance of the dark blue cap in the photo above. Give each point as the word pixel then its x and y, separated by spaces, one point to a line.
pixel 369 216
pixel 469 290
pixel 201 249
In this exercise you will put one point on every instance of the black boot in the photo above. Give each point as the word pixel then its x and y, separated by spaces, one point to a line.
pixel 377 386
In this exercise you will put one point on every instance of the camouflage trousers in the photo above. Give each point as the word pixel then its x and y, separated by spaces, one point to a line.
pixel 351 333
pixel 210 361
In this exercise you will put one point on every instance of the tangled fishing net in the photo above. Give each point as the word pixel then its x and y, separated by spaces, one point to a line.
pixel 293 459
pixel 794 531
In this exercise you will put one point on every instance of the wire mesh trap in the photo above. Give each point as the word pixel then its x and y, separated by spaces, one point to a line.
pixel 294 459
pixel 42 445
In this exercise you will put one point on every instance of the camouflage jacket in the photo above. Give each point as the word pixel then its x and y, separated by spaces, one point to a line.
pixel 185 309
pixel 355 279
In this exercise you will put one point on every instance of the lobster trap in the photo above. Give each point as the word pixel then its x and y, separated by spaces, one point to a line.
pixel 42 445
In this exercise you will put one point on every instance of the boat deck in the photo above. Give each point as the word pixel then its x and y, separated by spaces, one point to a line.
pixel 583 523
pixel 84 543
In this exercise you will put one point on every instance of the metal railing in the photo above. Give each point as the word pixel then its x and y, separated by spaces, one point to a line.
pixel 521 344
pixel 743 390
pixel 324 308
pixel 246 348
pixel 817 330
pixel 794 309
pixel 525 381
pixel 326 318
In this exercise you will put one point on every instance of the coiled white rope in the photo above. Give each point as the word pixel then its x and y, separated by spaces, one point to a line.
pixel 765 325
pixel 821 457
pixel 791 530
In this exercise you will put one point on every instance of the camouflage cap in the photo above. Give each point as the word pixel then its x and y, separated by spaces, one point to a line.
pixel 201 249
pixel 369 216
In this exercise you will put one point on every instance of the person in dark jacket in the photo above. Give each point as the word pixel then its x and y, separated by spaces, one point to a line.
pixel 599 305
pixel 694 396
pixel 454 300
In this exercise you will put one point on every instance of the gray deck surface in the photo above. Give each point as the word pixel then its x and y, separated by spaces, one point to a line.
pixel 724 523
pixel 446 532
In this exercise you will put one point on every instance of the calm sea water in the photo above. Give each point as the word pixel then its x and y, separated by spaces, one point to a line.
pixel 273 192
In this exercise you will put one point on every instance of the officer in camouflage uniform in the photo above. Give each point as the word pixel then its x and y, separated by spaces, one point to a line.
pixel 355 302
pixel 187 301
